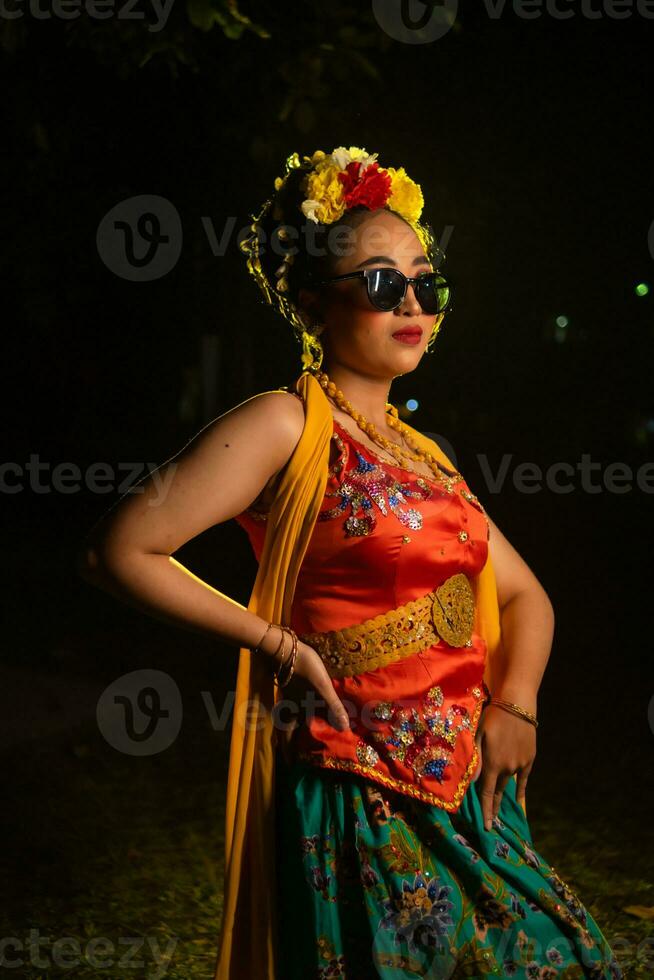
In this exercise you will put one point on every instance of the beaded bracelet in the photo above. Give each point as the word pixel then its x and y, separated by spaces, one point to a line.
pixel 516 710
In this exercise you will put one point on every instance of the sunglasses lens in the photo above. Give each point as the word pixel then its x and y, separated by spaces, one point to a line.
pixel 385 288
pixel 433 292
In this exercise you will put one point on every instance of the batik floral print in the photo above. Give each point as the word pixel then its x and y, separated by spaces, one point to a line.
pixel 374 884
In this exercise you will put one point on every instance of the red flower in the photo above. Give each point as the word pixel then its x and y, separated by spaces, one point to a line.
pixel 372 188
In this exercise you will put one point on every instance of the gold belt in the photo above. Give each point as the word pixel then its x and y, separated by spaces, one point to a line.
pixel 446 613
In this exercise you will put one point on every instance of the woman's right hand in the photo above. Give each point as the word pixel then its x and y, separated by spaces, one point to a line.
pixel 310 673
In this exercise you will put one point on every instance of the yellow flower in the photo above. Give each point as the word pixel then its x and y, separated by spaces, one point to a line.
pixel 324 192
pixel 406 196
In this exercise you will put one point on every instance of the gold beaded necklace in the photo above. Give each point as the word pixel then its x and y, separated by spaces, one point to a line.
pixel 413 453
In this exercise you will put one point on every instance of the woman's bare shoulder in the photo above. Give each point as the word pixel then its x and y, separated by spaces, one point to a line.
pixel 276 412
pixel 213 478
pixel 276 417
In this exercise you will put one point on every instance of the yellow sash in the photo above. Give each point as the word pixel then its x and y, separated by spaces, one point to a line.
pixel 247 940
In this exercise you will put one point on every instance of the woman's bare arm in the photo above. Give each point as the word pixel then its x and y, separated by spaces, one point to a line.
pixel 527 622
pixel 507 744
pixel 214 478
pixel 218 474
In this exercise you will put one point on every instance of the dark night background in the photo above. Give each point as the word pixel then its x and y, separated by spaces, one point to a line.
pixel 531 141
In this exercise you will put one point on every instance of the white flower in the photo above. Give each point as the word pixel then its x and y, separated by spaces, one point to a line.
pixel 342 156
pixel 371 158
pixel 309 208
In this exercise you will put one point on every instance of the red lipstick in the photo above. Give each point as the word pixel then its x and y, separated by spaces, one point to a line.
pixel 408 335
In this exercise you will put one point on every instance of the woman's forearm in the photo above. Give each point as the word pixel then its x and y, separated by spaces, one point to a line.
pixel 165 589
pixel 527 624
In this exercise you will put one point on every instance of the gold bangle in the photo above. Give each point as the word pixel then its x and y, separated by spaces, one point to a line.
pixel 256 649
pixel 289 666
pixel 515 709
pixel 273 656
pixel 288 673
pixel 284 660
pixel 280 646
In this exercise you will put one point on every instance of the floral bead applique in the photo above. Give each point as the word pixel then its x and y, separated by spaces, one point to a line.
pixel 421 738
pixel 369 485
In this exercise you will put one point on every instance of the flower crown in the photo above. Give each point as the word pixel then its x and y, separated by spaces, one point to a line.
pixel 349 178
pixel 333 184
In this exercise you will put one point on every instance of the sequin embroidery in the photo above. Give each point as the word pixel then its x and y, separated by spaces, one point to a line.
pixel 472 499
pixel 477 504
pixel 445 482
pixel 421 738
pixel 367 486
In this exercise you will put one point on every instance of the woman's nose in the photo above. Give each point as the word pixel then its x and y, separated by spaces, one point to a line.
pixel 410 304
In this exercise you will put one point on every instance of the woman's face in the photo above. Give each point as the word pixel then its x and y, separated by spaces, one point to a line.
pixel 356 334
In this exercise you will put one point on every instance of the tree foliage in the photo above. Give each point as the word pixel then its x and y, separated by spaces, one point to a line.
pixel 306 54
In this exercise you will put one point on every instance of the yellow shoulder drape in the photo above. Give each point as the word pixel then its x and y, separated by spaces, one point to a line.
pixel 247 941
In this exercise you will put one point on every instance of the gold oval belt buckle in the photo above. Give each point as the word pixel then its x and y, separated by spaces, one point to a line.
pixel 453 611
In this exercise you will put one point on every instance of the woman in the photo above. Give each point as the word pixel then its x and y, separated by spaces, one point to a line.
pixel 385 715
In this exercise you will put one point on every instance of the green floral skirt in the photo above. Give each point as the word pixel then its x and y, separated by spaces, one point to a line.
pixel 372 883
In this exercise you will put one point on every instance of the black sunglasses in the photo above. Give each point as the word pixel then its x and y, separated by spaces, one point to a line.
pixel 387 288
